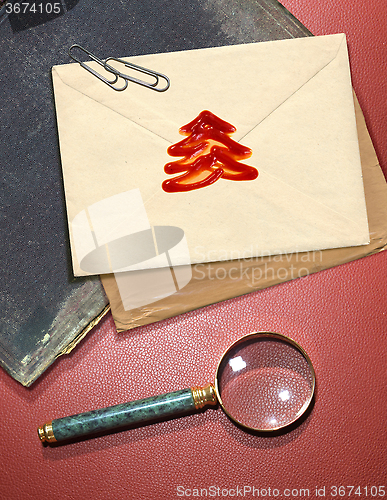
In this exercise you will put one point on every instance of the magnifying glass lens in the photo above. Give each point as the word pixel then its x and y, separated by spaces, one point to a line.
pixel 265 382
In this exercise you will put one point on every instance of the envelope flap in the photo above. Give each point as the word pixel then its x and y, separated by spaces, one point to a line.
pixel 241 83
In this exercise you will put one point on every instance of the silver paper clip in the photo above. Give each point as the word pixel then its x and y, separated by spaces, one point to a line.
pixel 120 80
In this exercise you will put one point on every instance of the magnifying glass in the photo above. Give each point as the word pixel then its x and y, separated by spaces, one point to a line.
pixel 264 382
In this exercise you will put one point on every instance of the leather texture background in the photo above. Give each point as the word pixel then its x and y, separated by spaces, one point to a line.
pixel 338 316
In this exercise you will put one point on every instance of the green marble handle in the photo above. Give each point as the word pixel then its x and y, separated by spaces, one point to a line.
pixel 173 404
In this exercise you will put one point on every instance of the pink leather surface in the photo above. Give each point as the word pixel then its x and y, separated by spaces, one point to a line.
pixel 339 317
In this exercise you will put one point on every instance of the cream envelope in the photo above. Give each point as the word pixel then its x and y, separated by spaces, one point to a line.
pixel 291 103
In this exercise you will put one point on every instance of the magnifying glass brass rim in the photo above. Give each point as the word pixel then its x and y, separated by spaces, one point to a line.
pixel 274 336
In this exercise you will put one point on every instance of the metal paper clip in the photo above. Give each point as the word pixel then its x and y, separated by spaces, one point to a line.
pixel 135 67
pixel 118 75
pixel 92 71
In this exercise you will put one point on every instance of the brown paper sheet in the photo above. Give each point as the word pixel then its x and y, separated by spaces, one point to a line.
pixel 214 282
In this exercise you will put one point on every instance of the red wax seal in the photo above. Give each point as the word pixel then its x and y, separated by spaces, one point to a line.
pixel 208 154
